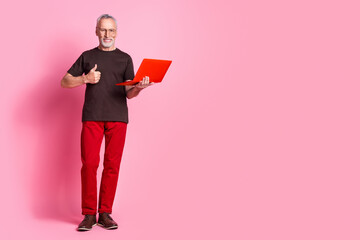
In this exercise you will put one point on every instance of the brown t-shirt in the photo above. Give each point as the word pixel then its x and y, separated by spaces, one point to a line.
pixel 104 101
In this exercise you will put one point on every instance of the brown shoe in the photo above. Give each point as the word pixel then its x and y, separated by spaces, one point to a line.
pixel 106 221
pixel 87 224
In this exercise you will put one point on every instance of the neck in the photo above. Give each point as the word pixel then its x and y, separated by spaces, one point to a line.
pixel 112 48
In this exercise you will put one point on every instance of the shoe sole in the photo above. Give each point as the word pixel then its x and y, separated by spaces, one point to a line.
pixel 108 228
pixel 82 229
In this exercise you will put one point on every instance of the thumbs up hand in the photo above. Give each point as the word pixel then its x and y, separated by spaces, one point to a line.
pixel 93 76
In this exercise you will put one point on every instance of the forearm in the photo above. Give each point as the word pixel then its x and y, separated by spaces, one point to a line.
pixel 69 81
pixel 133 92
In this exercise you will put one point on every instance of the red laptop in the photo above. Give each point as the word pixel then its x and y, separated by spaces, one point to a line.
pixel 155 69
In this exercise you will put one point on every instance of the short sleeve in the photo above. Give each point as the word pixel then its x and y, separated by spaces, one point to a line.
pixel 77 69
pixel 129 72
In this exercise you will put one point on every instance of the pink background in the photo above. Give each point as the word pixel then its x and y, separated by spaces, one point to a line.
pixel 254 133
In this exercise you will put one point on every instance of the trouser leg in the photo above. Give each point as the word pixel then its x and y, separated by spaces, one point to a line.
pixel 115 133
pixel 91 137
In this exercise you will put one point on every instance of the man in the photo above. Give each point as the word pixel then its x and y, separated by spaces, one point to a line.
pixel 105 112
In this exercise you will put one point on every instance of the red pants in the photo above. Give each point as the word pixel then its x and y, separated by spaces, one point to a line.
pixel 91 137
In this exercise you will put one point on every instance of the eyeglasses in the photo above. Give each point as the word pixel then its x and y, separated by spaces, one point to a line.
pixel 103 30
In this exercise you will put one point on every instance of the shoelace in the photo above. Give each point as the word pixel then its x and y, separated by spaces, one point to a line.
pixel 108 216
pixel 86 218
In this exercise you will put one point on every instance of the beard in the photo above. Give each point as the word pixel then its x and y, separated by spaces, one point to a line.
pixel 107 44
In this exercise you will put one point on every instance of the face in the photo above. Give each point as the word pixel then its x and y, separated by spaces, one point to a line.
pixel 106 32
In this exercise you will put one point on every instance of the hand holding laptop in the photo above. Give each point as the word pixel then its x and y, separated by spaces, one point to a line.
pixel 154 68
pixel 144 83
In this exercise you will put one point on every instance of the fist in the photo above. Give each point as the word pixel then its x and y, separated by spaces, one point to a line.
pixel 93 76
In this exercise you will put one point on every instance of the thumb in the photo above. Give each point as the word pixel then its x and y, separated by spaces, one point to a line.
pixel 94 68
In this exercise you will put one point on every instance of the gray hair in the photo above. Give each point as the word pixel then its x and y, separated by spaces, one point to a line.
pixel 105 16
